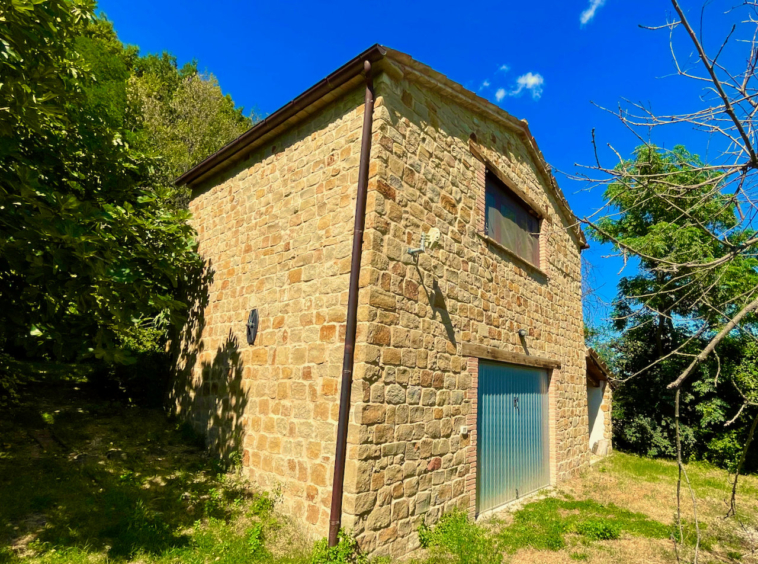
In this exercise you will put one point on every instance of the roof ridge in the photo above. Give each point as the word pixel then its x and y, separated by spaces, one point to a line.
pixel 350 71
pixel 519 125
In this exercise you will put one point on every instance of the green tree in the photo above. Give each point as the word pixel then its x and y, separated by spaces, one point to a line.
pixel 93 248
pixel 182 115
pixel 88 246
pixel 665 207
pixel 643 405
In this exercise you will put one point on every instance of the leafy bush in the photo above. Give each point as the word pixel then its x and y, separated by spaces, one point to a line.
pixel 262 504
pixel 456 536
pixel 255 539
pixel 724 450
pixel 221 543
pixel 598 530
pixel 347 551
pixel 214 503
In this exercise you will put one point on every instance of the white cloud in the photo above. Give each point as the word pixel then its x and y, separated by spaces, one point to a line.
pixel 484 85
pixel 504 68
pixel 589 12
pixel 500 94
pixel 533 82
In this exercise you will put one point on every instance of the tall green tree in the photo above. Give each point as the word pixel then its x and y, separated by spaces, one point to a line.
pixel 93 248
pixel 181 114
pixel 665 207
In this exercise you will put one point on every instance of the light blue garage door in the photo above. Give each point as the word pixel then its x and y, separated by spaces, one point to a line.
pixel 513 445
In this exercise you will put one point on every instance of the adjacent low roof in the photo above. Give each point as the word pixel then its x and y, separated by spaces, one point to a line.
pixel 347 77
pixel 597 370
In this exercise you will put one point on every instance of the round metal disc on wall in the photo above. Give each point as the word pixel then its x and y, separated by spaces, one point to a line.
pixel 252 326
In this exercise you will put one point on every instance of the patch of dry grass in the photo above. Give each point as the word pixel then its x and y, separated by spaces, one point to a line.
pixel 621 509
pixel 625 550
pixel 649 487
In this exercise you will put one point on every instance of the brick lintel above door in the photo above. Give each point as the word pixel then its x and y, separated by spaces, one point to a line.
pixel 492 353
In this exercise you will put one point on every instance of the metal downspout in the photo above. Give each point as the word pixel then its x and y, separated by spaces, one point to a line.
pixel 335 517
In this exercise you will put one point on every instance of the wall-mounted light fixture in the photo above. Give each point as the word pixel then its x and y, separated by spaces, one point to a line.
pixel 523 333
pixel 428 242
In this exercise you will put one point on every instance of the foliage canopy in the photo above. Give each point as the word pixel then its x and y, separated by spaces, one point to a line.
pixel 94 241
pixel 665 207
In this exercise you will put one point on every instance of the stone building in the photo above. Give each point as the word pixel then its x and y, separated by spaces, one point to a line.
pixel 471 383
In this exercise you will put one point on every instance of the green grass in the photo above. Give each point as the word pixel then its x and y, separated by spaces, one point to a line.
pixel 86 479
pixel 541 525
pixel 544 524
pixel 455 537
pixel 611 502
pixel 89 480
pixel 705 478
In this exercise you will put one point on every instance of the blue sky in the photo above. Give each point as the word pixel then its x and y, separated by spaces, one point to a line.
pixel 544 61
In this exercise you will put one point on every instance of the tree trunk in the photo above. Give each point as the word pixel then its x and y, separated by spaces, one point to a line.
pixel 683 472
pixel 733 502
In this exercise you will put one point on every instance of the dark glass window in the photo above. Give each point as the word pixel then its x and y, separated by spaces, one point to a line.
pixel 510 222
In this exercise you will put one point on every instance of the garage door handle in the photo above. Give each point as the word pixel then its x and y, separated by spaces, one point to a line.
pixel 515 402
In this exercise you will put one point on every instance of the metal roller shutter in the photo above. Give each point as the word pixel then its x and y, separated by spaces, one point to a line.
pixel 512 428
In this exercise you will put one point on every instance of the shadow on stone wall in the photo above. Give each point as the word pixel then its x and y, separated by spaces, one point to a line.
pixel 440 307
pixel 436 300
pixel 207 392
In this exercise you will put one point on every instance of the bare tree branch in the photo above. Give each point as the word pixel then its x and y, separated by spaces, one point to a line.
pixel 707 288
pixel 752 306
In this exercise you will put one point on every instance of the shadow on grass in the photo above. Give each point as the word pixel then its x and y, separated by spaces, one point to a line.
pixel 80 472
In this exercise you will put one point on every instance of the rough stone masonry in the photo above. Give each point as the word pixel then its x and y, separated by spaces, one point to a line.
pixel 275 230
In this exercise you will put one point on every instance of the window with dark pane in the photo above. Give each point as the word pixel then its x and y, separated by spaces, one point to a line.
pixel 510 222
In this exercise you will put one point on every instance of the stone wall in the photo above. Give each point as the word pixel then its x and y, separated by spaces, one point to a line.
pixel 407 460
pixel 276 231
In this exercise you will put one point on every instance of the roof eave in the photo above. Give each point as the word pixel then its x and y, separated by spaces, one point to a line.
pixel 341 76
pixel 349 71
pixel 601 366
